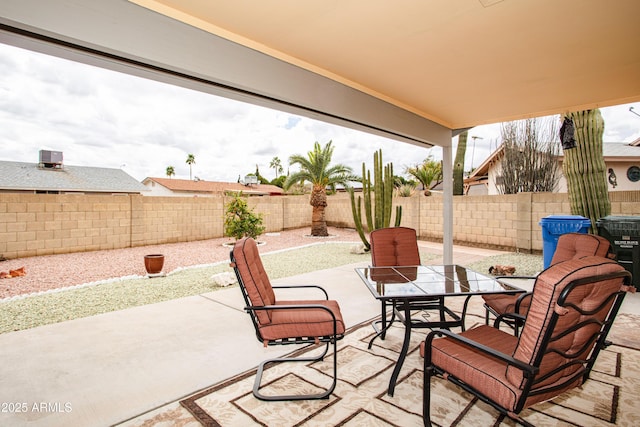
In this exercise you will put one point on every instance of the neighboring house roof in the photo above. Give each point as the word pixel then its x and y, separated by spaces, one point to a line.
pixel 620 150
pixel 185 185
pixel 611 152
pixel 20 176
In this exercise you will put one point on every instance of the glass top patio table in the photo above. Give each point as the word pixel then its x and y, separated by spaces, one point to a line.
pixel 415 287
pixel 428 281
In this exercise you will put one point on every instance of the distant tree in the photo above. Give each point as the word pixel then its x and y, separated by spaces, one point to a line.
pixel 530 157
pixel 279 181
pixel 399 181
pixel 276 165
pixel 191 160
pixel 426 173
pixel 261 179
pixel 170 171
pixel 458 164
pixel 316 168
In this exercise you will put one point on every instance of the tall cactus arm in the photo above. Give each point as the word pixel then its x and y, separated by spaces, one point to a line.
pixel 366 193
pixel 378 190
pixel 388 194
pixel 398 216
pixel 356 210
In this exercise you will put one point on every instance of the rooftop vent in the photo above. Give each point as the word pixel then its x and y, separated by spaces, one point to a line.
pixel 50 159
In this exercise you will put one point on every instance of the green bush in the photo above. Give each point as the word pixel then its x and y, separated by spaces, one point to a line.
pixel 240 221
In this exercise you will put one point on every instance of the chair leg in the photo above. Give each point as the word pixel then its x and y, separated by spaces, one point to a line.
pixel 464 312
pixel 324 395
pixel 426 395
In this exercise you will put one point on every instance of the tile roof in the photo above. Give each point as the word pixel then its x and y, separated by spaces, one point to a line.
pixel 30 177
pixel 214 186
pixel 621 149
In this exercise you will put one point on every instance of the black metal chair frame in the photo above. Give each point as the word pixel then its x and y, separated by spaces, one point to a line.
pixel 513 320
pixel 530 371
pixel 327 340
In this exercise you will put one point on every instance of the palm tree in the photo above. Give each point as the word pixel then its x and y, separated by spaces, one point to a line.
pixel 170 171
pixel 429 171
pixel 277 165
pixel 191 160
pixel 316 169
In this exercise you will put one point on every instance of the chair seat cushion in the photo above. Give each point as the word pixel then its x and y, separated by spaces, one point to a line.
pixel 304 322
pixel 506 303
pixel 481 371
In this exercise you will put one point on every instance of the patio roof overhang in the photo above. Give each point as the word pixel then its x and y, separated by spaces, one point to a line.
pixel 414 71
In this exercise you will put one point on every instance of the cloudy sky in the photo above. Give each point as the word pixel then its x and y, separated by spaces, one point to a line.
pixel 101 118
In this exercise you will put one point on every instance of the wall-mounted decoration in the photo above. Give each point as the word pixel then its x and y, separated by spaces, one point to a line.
pixel 613 179
pixel 633 173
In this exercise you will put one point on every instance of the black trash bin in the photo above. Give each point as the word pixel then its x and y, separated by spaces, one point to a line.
pixel 623 232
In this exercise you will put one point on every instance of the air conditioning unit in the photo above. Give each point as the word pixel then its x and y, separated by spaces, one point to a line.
pixel 50 157
pixel 250 180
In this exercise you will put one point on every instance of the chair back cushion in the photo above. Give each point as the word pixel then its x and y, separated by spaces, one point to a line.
pixel 547 288
pixel 578 245
pixel 254 278
pixel 394 246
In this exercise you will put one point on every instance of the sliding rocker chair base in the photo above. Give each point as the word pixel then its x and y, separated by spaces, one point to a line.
pixel 426 411
pixel 324 395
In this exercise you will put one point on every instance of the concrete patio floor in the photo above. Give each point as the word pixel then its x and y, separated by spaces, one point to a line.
pixel 107 369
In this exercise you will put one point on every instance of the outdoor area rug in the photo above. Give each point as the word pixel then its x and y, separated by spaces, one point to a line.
pixel 610 397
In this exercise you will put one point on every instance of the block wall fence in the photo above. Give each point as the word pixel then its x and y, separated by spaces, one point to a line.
pixel 45 224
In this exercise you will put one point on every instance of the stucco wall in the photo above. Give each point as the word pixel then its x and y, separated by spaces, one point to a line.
pixel 42 224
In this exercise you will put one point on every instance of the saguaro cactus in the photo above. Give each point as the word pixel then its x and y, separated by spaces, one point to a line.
pixel 584 168
pixel 378 215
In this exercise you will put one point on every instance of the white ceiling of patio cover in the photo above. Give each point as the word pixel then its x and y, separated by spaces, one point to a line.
pixel 459 63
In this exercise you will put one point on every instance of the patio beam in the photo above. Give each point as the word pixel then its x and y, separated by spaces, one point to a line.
pixel 125 37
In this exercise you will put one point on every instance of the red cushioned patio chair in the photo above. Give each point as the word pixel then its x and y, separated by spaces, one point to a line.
pixel 285 322
pixel 392 247
pixel 573 306
pixel 570 246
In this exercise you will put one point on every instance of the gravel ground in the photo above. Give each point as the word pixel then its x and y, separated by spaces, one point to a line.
pixel 63 287
pixel 65 270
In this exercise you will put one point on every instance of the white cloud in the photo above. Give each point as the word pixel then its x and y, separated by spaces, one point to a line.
pixel 101 118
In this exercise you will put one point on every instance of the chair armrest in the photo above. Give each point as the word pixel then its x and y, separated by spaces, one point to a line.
pixel 521 298
pixel 509 316
pixel 527 369
pixel 326 295
pixel 515 277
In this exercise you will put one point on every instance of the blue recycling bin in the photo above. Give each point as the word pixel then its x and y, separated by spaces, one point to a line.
pixel 554 226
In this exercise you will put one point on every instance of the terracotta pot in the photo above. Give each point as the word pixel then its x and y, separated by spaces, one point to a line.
pixel 154 263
